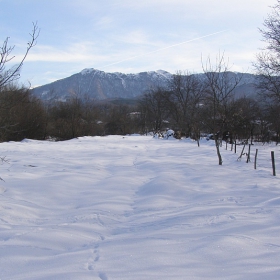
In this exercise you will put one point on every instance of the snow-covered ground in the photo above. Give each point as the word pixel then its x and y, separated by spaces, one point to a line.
pixel 137 208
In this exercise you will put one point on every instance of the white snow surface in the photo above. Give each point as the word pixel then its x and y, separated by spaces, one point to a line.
pixel 87 71
pixel 136 207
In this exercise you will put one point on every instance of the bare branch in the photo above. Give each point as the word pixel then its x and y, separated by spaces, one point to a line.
pixel 12 74
pixel 267 65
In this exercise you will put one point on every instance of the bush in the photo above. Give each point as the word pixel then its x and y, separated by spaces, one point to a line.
pixel 21 115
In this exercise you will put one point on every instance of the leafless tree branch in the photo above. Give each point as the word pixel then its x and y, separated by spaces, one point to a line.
pixel 9 75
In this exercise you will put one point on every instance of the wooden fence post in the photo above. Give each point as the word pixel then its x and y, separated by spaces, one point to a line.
pixel 248 155
pixel 242 152
pixel 273 163
pixel 255 163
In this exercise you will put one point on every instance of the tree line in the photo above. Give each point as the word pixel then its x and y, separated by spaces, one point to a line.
pixel 194 104
pixel 24 116
pixel 190 105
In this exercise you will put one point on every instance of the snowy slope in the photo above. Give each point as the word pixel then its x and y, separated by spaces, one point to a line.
pixel 101 85
pixel 137 208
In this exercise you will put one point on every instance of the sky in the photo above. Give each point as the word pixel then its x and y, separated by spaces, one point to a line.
pixel 131 37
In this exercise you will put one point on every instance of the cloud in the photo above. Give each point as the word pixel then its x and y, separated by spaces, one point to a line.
pixel 76 52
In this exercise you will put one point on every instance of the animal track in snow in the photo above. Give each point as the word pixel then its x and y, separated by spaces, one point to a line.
pixel 90 267
pixel 103 276
pixel 90 263
pixel 95 258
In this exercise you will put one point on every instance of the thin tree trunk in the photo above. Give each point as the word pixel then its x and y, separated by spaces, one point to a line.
pixel 218 151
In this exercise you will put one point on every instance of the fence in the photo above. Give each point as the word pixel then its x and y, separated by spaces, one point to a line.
pixel 247 149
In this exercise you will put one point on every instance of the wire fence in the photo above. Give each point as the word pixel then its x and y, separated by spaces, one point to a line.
pixel 263 156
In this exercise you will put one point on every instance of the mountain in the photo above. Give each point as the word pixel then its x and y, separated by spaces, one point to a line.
pixel 99 85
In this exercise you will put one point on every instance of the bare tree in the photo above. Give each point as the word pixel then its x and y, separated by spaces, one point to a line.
pixel 245 115
pixel 153 109
pixel 220 84
pixel 66 120
pixel 9 75
pixel 271 123
pixel 184 99
pixel 268 61
pixel 118 120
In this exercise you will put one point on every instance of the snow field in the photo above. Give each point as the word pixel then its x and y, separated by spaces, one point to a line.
pixel 139 208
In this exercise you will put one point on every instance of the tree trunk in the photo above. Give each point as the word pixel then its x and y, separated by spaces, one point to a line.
pixel 218 151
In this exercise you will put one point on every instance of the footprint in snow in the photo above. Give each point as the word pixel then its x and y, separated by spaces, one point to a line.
pixel 103 276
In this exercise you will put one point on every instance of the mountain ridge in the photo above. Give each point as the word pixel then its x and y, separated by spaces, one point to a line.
pixel 100 85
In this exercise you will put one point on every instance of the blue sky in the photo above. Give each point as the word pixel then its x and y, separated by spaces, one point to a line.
pixel 130 37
